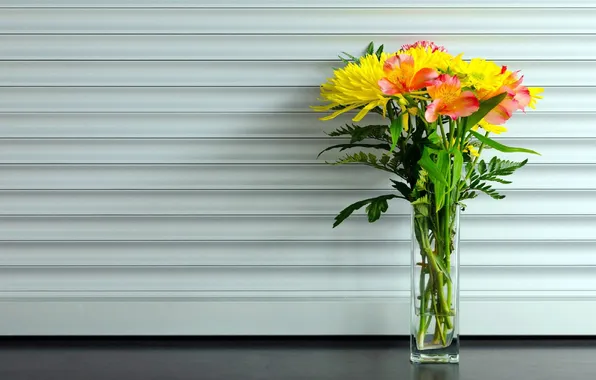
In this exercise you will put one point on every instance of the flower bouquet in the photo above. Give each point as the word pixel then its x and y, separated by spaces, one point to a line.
pixel 438 112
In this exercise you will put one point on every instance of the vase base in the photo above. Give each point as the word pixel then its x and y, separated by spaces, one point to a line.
pixel 418 358
pixel 434 353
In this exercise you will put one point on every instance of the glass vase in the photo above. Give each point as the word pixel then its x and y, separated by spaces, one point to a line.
pixel 434 326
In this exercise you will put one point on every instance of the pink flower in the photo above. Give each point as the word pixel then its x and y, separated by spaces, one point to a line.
pixel 424 44
pixel 448 99
pixel 402 76
pixel 502 112
pixel 518 98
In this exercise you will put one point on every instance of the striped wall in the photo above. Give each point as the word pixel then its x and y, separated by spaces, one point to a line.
pixel 158 170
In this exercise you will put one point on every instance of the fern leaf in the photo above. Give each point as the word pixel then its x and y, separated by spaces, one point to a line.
pixel 488 190
pixel 365 159
pixel 402 187
pixel 358 133
pixel 343 147
pixel 375 207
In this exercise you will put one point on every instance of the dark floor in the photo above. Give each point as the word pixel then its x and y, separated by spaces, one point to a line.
pixel 279 359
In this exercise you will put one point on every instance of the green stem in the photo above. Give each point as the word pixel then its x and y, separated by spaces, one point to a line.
pixel 438 327
pixel 438 283
pixel 423 294
pixel 443 135
pixel 463 183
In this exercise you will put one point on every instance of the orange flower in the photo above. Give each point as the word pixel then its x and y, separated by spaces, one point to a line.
pixel 518 98
pixel 448 99
pixel 402 76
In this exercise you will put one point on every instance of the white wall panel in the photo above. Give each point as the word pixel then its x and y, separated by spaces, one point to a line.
pixel 284 21
pixel 267 202
pixel 285 253
pixel 502 316
pixel 294 3
pixel 256 73
pixel 254 177
pixel 349 280
pixel 158 170
pixel 283 47
pixel 214 99
pixel 248 125
pixel 290 227
pixel 242 151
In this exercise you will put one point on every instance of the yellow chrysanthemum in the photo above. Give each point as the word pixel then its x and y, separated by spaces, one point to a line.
pixel 488 127
pixel 353 86
pixel 428 57
pixel 534 96
pixel 486 77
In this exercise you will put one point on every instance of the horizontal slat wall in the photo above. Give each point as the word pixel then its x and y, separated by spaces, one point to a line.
pixel 158 170
pixel 211 99
pixel 217 73
pixel 294 47
pixel 262 202
pixel 384 4
pixel 253 177
pixel 280 21
pixel 245 125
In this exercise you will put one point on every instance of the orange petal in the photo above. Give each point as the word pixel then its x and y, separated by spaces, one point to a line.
pixel 463 106
pixel 432 111
pixel 397 61
pixel 424 77
pixel 522 97
pixel 502 112
pixel 387 87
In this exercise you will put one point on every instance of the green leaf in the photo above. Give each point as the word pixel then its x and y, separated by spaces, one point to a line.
pixel 458 163
pixel 485 107
pixel 385 159
pixel 377 206
pixel 368 160
pixel 402 187
pixel 488 190
pixel 358 133
pixel 443 163
pixel 421 207
pixel 375 209
pixel 395 129
pixel 370 49
pixel 434 138
pixel 379 51
pixel 359 145
pixel 500 147
pixel 431 168
pixel 351 58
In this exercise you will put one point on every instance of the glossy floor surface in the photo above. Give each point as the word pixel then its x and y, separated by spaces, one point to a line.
pixel 279 359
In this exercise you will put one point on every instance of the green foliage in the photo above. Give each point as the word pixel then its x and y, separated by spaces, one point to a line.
pixel 375 207
pixel 485 107
pixel 491 172
pixel 370 49
pixel 379 51
pixel 343 147
pixel 422 206
pixel 403 188
pixel 358 133
pixel 500 147
pixel 434 172
pixel 386 162
pixel 395 129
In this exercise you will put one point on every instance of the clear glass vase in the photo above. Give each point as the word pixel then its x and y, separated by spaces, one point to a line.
pixel 434 327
